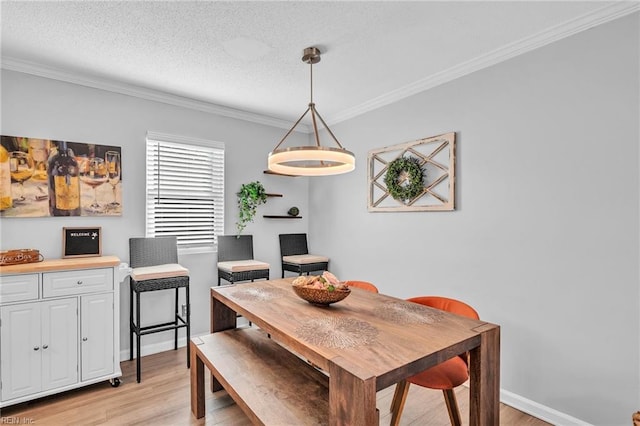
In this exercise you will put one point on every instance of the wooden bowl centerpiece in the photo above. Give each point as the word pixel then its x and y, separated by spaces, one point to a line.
pixel 320 290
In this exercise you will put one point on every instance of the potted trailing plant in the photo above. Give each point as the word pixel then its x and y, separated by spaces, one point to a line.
pixel 251 195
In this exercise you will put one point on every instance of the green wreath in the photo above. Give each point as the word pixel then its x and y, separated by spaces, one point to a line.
pixel 396 186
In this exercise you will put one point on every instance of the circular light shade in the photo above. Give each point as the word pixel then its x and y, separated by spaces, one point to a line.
pixel 311 161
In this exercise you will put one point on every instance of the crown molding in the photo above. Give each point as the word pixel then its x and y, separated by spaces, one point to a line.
pixel 110 85
pixel 524 45
pixel 550 35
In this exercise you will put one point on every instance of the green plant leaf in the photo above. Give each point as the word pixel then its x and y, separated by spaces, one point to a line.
pixel 251 195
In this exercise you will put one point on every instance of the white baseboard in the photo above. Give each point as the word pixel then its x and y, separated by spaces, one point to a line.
pixel 540 411
pixel 154 348
pixel 167 345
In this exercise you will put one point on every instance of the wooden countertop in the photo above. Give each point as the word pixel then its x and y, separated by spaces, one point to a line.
pixel 61 264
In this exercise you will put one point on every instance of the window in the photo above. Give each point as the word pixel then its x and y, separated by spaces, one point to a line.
pixel 185 190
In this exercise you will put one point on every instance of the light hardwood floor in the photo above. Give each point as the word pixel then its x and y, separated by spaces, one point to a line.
pixel 162 398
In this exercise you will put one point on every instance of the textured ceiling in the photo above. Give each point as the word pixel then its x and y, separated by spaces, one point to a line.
pixel 246 55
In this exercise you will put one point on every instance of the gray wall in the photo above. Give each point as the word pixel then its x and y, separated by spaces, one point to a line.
pixel 43 108
pixel 544 240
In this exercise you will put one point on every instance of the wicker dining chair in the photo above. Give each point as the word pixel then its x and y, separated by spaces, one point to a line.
pixel 236 262
pixel 294 252
pixel 154 263
pixel 444 376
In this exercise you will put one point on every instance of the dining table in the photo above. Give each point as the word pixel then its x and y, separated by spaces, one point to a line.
pixel 364 343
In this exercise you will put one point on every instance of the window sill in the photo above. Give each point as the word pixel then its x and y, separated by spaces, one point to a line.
pixel 197 250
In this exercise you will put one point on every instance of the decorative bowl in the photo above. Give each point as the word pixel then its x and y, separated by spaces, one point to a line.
pixel 320 296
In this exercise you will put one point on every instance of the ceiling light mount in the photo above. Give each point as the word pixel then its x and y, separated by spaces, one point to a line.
pixel 311 55
pixel 312 160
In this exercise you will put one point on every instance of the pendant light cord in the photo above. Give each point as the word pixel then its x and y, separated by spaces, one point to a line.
pixel 314 113
pixel 312 107
pixel 311 80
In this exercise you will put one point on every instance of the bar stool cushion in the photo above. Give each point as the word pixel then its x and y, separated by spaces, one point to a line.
pixel 242 265
pixel 169 270
pixel 305 259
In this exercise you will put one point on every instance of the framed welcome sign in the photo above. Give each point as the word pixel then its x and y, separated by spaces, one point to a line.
pixel 81 242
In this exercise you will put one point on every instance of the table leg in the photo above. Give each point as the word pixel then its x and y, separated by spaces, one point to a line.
pixel 222 318
pixel 197 383
pixel 484 369
pixel 352 395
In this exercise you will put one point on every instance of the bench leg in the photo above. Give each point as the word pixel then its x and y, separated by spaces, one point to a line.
pixel 197 383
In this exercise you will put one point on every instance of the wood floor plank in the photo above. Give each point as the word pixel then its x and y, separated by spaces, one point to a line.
pixel 162 398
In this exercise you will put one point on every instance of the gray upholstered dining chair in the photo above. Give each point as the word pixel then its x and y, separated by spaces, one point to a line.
pixel 294 252
pixel 154 263
pixel 236 262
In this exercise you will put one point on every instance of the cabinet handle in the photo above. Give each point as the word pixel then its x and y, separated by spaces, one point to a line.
pixel 36 348
pixel 79 282
pixel 45 346
pixel 84 339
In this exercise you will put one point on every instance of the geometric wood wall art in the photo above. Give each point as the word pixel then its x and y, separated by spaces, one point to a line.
pixel 436 156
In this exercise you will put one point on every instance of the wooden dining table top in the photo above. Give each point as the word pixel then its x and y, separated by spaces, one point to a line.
pixel 379 335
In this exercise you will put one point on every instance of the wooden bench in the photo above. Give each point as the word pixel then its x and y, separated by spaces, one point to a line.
pixel 269 383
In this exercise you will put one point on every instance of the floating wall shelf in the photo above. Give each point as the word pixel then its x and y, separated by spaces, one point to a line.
pixel 269 172
pixel 270 216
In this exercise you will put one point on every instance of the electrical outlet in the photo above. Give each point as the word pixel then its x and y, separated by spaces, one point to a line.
pixel 184 310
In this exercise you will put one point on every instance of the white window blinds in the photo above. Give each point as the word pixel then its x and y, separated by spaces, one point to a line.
pixel 185 190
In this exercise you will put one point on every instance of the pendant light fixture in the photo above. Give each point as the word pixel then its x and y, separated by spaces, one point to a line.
pixel 311 160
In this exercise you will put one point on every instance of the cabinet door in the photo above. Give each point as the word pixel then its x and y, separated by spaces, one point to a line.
pixel 96 325
pixel 20 350
pixel 59 343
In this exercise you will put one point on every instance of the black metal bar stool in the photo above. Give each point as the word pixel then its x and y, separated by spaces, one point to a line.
pixel 154 263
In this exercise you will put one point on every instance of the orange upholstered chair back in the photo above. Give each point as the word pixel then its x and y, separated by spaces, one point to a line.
pixel 450 305
pixel 445 304
pixel 444 376
pixel 363 285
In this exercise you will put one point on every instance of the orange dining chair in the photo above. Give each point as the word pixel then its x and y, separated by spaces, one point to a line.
pixel 365 285
pixel 445 376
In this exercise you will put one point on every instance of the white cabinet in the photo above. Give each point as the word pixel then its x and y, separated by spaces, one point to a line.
pixel 58 323
pixel 20 354
pixel 18 288
pixel 59 343
pixel 96 335
pixel 39 346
